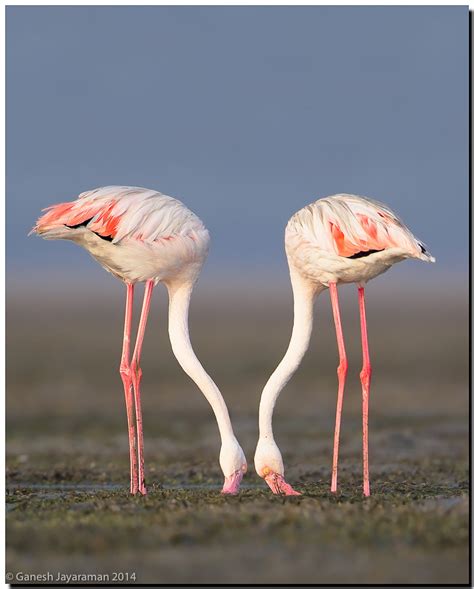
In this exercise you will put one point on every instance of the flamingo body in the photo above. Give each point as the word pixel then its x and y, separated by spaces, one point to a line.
pixel 347 238
pixel 135 233
pixel 140 235
pixel 339 239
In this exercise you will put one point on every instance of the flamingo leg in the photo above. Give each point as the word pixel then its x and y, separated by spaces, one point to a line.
pixel 365 375
pixel 136 373
pixel 341 375
pixel 125 374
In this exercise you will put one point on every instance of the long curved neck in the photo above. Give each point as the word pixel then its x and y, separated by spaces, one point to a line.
pixel 179 298
pixel 303 294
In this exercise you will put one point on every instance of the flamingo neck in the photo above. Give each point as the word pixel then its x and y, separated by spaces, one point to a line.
pixel 179 298
pixel 303 299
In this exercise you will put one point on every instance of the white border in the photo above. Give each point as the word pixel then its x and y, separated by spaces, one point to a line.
pixel 239 3
pixel 2 148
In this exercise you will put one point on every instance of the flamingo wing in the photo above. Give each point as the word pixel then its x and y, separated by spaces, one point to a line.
pixel 115 213
pixel 353 227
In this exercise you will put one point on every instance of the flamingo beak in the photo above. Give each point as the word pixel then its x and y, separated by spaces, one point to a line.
pixel 232 483
pixel 278 485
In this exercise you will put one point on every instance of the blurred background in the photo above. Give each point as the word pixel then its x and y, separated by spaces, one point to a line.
pixel 246 114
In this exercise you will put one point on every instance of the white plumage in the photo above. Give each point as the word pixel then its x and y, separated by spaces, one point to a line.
pixel 321 238
pixel 141 235
pixel 145 215
pixel 339 239
pixel 135 233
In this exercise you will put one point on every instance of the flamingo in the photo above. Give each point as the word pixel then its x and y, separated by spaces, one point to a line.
pixel 336 240
pixel 140 235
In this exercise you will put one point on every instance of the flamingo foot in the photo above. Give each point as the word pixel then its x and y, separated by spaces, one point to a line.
pixel 278 485
pixel 232 483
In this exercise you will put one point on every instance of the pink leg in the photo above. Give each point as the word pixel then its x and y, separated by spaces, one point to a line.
pixel 136 372
pixel 341 374
pixel 125 374
pixel 365 375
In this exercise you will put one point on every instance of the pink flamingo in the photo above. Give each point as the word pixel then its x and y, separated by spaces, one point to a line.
pixel 140 235
pixel 335 240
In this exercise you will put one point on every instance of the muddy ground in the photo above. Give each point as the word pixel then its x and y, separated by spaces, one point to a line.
pixel 68 510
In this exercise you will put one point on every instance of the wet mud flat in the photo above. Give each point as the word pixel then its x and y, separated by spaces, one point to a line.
pixel 405 533
pixel 68 509
pixel 70 516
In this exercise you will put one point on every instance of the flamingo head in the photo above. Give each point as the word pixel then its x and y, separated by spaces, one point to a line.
pixel 234 466
pixel 269 466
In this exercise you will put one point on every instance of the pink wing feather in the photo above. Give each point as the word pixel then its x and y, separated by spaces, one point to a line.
pixel 122 212
pixel 346 225
pixel 70 214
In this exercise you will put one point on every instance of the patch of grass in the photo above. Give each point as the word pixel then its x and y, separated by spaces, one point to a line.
pixel 426 518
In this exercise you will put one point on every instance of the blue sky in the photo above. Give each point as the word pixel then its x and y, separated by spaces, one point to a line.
pixel 244 113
